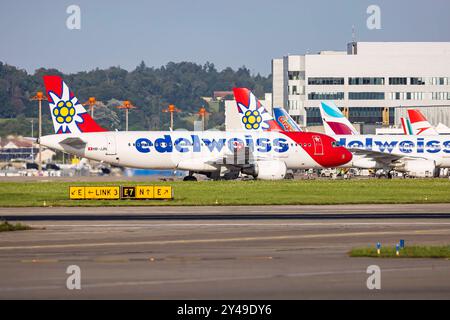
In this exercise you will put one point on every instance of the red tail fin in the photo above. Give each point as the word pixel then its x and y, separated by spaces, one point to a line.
pixel 68 115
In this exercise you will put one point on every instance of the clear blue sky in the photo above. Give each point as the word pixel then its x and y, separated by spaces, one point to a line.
pixel 228 32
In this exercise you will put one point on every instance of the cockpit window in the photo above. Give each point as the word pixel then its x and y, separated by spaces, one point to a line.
pixel 335 144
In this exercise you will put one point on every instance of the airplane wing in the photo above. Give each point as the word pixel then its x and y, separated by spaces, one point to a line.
pixel 242 157
pixel 75 143
pixel 382 157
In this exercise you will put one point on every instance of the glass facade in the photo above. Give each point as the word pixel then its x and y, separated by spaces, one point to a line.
pixel 398 81
pixel 326 96
pixel 366 95
pixel 440 96
pixel 406 95
pixel 366 81
pixel 439 81
pixel 296 75
pixel 293 90
pixel 8 154
pixel 367 115
pixel 417 81
pixel 325 81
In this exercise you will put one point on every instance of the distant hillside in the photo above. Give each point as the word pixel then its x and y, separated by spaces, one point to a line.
pixel 151 89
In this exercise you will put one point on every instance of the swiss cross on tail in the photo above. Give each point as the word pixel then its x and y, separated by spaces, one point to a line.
pixel 68 115
pixel 254 117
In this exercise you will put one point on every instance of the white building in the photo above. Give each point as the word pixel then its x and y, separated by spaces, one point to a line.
pixel 367 78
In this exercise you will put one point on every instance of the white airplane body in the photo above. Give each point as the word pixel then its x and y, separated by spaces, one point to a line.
pixel 416 155
pixel 397 151
pixel 185 150
pixel 263 154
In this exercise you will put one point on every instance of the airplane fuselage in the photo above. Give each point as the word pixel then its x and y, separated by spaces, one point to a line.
pixel 202 150
pixel 436 148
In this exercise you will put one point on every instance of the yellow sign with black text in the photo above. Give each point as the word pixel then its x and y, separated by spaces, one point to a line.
pixel 128 192
pixel 144 192
pixel 102 192
pixel 120 192
pixel 162 192
pixel 76 192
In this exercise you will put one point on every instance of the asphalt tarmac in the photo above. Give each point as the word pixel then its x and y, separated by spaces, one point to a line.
pixel 231 257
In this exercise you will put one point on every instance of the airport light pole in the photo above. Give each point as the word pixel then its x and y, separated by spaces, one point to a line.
pixel 92 103
pixel 202 113
pixel 32 136
pixel 39 97
pixel 127 106
pixel 171 109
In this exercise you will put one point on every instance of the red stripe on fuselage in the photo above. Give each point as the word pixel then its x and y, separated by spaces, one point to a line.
pixel 331 157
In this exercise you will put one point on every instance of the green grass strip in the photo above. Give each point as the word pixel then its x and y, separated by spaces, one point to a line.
pixel 6 226
pixel 284 192
pixel 407 252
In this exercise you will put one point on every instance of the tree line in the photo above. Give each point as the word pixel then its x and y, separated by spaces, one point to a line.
pixel 151 89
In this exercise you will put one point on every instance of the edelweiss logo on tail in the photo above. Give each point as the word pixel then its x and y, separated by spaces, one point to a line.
pixel 254 116
pixel 68 115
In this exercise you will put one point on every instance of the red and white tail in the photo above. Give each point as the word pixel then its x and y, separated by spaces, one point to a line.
pixel 68 115
pixel 254 117
pixel 420 124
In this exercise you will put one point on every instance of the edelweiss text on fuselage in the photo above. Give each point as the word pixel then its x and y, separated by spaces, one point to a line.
pixel 193 143
pixel 419 145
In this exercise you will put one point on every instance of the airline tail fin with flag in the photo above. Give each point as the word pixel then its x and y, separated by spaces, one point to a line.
pixel 254 117
pixel 420 124
pixel 334 122
pixel 68 115
pixel 406 126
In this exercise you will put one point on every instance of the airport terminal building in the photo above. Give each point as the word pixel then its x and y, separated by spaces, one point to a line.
pixel 376 81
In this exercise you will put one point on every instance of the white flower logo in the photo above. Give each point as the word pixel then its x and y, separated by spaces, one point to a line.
pixel 66 111
pixel 254 116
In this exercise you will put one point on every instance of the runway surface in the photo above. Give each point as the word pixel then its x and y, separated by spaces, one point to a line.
pixel 227 258
pixel 372 211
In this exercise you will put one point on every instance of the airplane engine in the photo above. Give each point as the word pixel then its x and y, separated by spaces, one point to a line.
pixel 196 165
pixel 267 170
pixel 418 168
pixel 364 163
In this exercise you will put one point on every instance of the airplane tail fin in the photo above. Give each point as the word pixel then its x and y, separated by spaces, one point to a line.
pixel 406 126
pixel 420 124
pixel 68 115
pixel 334 122
pixel 254 117
pixel 284 120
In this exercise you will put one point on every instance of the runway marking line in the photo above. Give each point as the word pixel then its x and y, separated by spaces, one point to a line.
pixel 218 240
pixel 40 261
pixel 294 224
pixel 106 260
